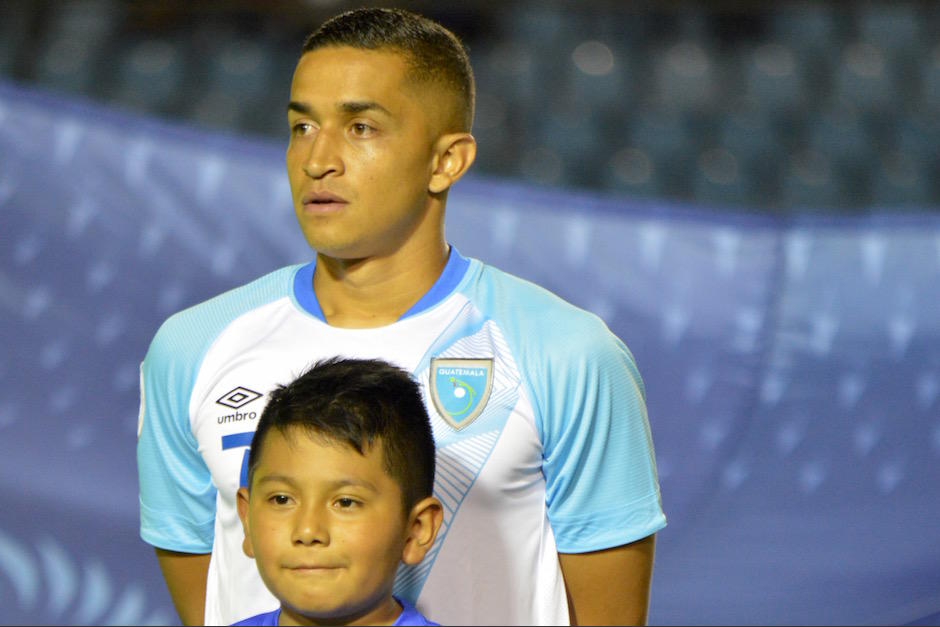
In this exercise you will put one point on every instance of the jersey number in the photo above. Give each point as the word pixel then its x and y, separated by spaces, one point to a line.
pixel 237 440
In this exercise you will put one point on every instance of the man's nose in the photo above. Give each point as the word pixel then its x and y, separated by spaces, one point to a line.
pixel 324 157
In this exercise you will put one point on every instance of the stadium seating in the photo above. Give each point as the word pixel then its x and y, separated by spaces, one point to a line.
pixel 565 93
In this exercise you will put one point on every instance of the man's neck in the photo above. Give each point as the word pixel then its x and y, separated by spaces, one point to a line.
pixel 374 292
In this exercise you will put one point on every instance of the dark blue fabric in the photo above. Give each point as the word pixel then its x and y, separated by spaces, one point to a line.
pixel 268 619
pixel 409 616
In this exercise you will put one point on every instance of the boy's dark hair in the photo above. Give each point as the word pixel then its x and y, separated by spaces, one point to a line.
pixel 433 52
pixel 357 402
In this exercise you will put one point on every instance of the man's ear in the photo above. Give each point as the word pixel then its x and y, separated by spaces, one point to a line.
pixel 453 155
pixel 424 522
pixel 242 500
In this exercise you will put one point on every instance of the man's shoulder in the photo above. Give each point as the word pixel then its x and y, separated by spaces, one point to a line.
pixel 518 304
pixel 200 323
pixel 273 285
pixel 238 300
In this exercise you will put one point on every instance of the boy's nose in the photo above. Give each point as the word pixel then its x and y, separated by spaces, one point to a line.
pixel 310 527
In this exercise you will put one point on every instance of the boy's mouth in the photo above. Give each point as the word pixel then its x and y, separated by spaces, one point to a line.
pixel 313 568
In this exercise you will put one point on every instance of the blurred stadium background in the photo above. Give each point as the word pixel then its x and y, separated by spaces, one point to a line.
pixel 747 193
pixel 786 107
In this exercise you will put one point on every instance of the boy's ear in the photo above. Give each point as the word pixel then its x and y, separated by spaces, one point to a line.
pixel 453 155
pixel 242 499
pixel 423 524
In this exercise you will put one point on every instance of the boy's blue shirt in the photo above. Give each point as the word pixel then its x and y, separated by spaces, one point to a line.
pixel 409 616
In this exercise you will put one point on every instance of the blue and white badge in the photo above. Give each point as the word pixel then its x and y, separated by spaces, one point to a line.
pixel 460 388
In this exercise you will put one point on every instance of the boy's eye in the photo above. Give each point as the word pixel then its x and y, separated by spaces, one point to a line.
pixel 280 499
pixel 345 503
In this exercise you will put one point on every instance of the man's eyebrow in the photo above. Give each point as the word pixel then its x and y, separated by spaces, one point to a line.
pixel 351 107
pixel 359 106
pixel 299 107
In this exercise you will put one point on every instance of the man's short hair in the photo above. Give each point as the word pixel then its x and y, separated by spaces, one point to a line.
pixel 433 52
pixel 358 402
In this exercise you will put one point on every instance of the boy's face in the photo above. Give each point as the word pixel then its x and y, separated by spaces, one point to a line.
pixel 361 151
pixel 326 527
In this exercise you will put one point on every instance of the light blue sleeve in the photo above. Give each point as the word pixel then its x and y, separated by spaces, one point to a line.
pixel 599 466
pixel 177 495
pixel 602 489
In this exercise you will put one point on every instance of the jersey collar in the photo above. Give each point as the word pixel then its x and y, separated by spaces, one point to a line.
pixel 453 273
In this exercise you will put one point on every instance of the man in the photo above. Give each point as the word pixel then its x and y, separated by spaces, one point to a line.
pixel 545 462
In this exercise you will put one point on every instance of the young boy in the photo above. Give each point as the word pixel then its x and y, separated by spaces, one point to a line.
pixel 340 474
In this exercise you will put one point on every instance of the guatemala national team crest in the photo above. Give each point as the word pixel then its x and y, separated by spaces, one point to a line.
pixel 460 388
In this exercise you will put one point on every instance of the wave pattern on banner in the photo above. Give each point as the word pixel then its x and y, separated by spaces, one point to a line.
pixel 52 585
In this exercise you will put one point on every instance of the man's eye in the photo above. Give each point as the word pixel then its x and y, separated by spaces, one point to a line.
pixel 301 128
pixel 280 499
pixel 361 129
pixel 346 503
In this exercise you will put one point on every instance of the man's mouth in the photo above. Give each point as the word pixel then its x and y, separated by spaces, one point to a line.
pixel 323 201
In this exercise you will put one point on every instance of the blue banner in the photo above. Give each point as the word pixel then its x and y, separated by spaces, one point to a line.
pixel 792 365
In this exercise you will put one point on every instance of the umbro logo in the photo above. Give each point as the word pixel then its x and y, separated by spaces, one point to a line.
pixel 239 397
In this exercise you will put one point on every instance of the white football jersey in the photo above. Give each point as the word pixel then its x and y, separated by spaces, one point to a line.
pixel 538 413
